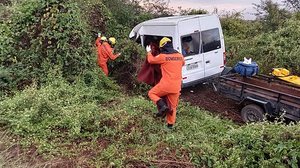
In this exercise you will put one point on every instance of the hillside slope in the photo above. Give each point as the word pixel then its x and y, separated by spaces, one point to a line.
pixel 58 109
pixel 89 124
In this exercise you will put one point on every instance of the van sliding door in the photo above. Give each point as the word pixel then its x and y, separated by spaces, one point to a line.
pixel 212 45
pixel 189 34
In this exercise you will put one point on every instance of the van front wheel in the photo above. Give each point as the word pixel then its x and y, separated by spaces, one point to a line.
pixel 252 113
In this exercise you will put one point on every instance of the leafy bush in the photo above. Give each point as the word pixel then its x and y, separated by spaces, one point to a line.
pixel 270 50
pixel 125 68
pixel 235 26
pixel 100 18
pixel 129 14
pixel 5 2
pixel 88 117
pixel 39 35
pixel 59 109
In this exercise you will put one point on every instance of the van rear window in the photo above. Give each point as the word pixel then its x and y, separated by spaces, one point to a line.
pixel 210 40
pixel 148 39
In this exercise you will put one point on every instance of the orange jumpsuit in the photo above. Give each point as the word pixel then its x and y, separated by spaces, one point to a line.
pixel 170 83
pixel 105 52
pixel 98 46
pixel 98 43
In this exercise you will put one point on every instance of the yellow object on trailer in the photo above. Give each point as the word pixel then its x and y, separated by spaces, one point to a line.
pixel 280 72
pixel 283 74
pixel 292 79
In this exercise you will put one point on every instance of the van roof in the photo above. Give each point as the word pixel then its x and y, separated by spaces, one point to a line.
pixel 172 20
pixel 163 21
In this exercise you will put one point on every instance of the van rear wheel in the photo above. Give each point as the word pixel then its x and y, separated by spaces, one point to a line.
pixel 252 113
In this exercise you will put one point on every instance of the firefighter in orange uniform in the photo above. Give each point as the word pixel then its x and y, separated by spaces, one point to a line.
pixel 171 62
pixel 98 43
pixel 105 52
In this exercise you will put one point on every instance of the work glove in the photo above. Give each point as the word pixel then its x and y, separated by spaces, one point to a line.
pixel 148 48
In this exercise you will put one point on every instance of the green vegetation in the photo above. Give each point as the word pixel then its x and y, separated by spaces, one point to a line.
pixel 271 40
pixel 38 35
pixel 100 123
pixel 54 98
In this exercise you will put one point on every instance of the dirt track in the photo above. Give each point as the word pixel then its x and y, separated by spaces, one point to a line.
pixel 205 97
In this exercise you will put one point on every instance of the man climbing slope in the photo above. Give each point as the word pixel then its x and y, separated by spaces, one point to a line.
pixel 105 52
pixel 171 62
pixel 99 41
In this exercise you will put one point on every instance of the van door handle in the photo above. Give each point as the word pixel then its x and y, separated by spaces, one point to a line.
pixel 207 62
pixel 188 59
pixel 216 52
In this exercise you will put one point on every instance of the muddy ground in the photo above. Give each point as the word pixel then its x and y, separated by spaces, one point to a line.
pixel 205 97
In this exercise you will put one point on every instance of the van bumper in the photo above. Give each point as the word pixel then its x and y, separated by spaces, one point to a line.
pixel 202 80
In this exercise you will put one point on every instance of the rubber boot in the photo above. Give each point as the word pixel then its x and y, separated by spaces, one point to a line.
pixel 170 126
pixel 162 108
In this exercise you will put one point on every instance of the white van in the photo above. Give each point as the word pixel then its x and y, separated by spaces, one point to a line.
pixel 198 37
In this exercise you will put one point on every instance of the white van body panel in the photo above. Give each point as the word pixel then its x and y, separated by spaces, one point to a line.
pixel 163 30
pixel 191 74
pixel 201 65
pixel 214 60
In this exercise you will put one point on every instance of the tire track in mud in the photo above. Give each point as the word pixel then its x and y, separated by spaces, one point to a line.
pixel 205 97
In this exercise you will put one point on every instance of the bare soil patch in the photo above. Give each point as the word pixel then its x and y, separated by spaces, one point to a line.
pixel 205 97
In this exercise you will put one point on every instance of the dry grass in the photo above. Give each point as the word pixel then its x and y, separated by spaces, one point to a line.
pixel 10 155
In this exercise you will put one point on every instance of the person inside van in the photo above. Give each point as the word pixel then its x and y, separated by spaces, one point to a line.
pixel 171 62
pixel 186 49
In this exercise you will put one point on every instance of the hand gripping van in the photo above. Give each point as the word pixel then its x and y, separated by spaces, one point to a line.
pixel 198 37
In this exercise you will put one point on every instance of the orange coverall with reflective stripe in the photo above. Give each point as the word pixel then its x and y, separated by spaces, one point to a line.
pixel 170 83
pixel 105 52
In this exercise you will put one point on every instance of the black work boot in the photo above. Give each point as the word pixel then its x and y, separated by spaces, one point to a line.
pixel 170 126
pixel 162 108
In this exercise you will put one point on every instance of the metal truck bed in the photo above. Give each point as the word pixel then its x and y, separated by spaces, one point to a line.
pixel 275 97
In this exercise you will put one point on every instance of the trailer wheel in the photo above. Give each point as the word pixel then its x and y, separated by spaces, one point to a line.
pixel 252 113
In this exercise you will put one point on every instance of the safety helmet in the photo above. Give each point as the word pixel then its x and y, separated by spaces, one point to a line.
pixel 103 38
pixel 164 41
pixel 112 40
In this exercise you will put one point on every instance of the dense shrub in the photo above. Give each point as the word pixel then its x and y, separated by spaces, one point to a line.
pixel 129 14
pixel 234 25
pixel 39 35
pixel 59 109
pixel 100 19
pixel 270 50
pixel 125 69
pixel 5 2
pixel 90 119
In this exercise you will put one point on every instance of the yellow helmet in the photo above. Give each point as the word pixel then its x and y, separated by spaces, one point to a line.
pixel 112 40
pixel 103 38
pixel 164 41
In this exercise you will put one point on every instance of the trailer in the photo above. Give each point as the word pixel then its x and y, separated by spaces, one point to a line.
pixel 262 95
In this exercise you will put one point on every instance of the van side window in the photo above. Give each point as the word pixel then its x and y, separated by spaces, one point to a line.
pixel 190 44
pixel 211 40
